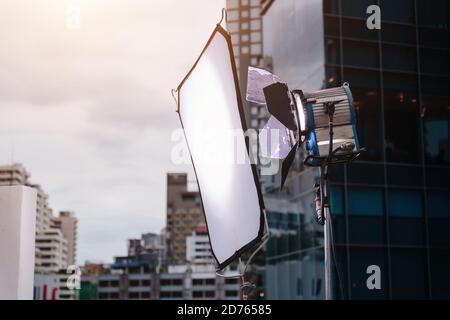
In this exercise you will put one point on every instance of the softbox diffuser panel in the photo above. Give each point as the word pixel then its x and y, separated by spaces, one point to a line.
pixel 211 113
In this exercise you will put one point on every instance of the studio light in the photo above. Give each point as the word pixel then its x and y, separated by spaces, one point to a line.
pixel 321 107
pixel 314 118
pixel 210 109
pixel 323 121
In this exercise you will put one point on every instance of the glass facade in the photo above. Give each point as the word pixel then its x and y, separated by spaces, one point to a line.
pixel 391 208
pixel 294 253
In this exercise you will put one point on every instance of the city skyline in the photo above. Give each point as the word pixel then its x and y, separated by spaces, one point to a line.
pixel 87 109
pixel 305 154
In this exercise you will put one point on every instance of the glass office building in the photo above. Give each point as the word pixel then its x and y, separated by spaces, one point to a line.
pixel 391 208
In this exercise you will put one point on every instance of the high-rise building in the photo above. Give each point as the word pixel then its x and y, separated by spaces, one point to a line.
pixel 16 174
pixel 391 207
pixel 44 214
pixel 245 26
pixel 17 231
pixel 67 223
pixel 55 236
pixel 184 214
pixel 52 247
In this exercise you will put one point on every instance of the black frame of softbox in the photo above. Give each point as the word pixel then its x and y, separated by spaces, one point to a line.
pixel 262 223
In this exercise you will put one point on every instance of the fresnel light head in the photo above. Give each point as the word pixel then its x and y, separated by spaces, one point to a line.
pixel 325 120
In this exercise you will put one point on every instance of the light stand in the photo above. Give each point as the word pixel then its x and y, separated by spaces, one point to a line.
pixel 342 154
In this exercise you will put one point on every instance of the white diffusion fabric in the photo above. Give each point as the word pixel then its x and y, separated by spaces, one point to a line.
pixel 209 111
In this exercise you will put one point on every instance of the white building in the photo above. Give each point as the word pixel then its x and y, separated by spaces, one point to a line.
pixel 52 246
pixel 198 282
pixel 17 232
pixel 13 175
pixel 55 237
pixel 53 287
pixel 198 249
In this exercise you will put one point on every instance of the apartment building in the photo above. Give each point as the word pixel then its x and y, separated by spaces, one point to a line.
pixel 245 26
pixel 52 247
pixel 55 236
pixel 68 223
pixel 184 214
pixel 16 174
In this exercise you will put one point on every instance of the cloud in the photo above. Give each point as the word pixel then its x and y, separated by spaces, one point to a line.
pixel 89 111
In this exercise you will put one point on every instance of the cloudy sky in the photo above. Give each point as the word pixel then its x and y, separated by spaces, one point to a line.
pixel 85 105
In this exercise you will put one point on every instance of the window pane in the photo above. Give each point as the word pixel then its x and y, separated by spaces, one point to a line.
pixel 232 15
pixel 408 274
pixel 402 175
pixel 365 201
pixel 406 224
pixel 439 218
pixel 405 203
pixel 339 229
pixel 399 58
pixel 436 126
pixel 438 204
pixel 360 54
pixel 438 177
pixel 330 6
pixel 332 51
pixel 440 277
pixel 435 61
pixel 356 8
pixel 336 174
pixel 337 200
pixel 398 11
pixel 437 142
pixel 360 259
pixel 365 173
pixel 232 3
pixel 436 15
pixel 352 28
pixel 432 37
pixel 401 118
pixel 331 26
pixel 398 33
pixel 406 231
pixel 365 86
pixel 255 36
pixel 435 85
pixel 367 230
